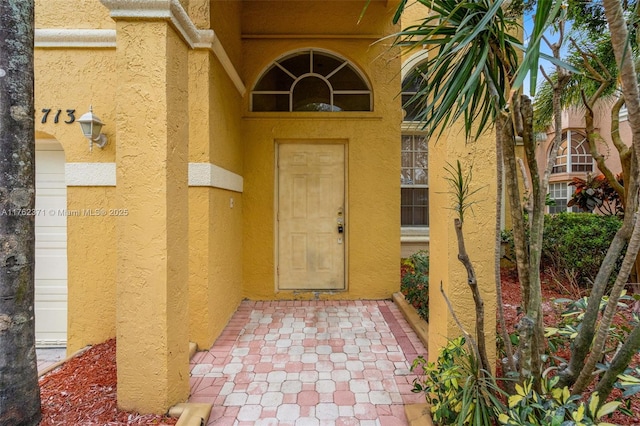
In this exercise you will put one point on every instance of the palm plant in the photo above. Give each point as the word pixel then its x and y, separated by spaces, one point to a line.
pixel 471 60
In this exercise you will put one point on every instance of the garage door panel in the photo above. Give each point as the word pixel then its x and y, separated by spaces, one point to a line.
pixel 53 292
pixel 50 269
pixel 51 247
pixel 54 236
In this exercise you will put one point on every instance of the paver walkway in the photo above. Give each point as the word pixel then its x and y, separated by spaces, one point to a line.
pixel 308 363
pixel 49 356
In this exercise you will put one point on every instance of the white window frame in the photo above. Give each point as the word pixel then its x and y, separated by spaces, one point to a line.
pixel 570 151
pixel 312 74
pixel 567 192
pixel 409 229
pixel 413 233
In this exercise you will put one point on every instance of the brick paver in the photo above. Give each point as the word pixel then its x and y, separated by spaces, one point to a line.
pixel 310 363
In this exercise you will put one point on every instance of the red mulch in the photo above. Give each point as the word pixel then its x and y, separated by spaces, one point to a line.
pixel 83 392
pixel 552 313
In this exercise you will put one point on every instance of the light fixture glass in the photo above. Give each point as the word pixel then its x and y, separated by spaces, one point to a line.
pixel 91 126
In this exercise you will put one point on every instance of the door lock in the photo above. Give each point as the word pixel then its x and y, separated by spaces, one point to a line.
pixel 340 221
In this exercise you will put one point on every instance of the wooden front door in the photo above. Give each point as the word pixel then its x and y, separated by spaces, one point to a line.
pixel 311 217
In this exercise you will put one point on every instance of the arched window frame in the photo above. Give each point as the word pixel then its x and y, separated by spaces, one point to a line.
pixel 409 104
pixel 574 158
pixel 311 74
pixel 569 155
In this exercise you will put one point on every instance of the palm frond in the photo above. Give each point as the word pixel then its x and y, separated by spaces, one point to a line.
pixel 471 58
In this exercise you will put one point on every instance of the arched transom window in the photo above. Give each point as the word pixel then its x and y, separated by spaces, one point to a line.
pixel 411 102
pixel 573 154
pixel 311 81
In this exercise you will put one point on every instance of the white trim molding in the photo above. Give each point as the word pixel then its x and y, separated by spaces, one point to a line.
pixel 417 234
pixel 90 174
pixel 200 174
pixel 207 174
pixel 75 38
pixel 172 11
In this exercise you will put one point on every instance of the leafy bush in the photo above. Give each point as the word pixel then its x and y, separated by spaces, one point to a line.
pixel 565 331
pixel 629 382
pixel 595 193
pixel 457 391
pixel 415 282
pixel 554 406
pixel 575 244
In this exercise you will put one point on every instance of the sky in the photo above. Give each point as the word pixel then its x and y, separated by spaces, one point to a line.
pixel 552 37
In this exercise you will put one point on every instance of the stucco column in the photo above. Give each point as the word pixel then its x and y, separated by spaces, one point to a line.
pixel 152 168
pixel 478 228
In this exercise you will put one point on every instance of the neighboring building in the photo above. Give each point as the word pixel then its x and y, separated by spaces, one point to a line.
pixel 253 151
pixel 574 158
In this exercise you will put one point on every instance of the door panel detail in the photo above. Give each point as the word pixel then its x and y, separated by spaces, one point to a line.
pixel 311 188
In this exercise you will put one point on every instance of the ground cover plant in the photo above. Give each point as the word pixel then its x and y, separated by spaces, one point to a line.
pixel 414 282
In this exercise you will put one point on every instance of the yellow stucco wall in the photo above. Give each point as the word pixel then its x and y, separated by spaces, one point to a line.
pixel 75 79
pixel 226 22
pixel 152 241
pixel 91 254
pixel 72 14
pixel 300 17
pixel 479 223
pixel 91 240
pixel 371 138
pixel 215 261
pixel 215 228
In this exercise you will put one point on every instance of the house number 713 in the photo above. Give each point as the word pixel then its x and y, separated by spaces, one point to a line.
pixel 56 117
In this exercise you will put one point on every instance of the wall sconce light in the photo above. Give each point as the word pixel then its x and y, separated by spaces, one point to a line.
pixel 91 127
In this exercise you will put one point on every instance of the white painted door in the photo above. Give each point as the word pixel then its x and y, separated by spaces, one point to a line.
pixel 51 246
pixel 311 183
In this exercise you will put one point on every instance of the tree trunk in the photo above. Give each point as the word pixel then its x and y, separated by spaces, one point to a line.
pixel 463 257
pixel 532 321
pixel 503 122
pixel 19 391
pixel 619 363
pixel 509 367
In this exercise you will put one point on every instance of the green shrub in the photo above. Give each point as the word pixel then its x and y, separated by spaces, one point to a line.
pixel 415 282
pixel 575 244
pixel 457 390
pixel 554 407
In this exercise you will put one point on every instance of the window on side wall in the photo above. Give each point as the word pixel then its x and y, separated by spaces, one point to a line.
pixel 414 181
pixel 561 193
